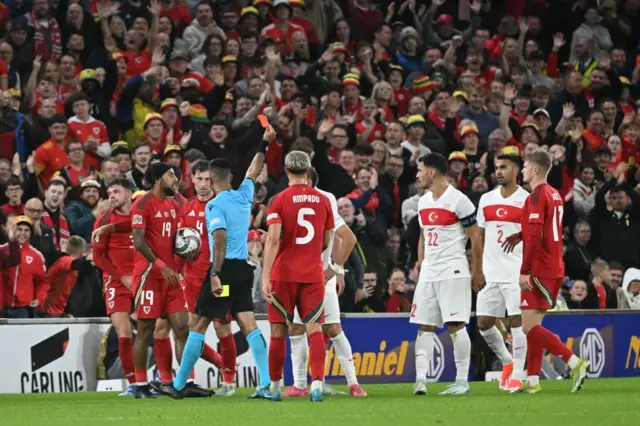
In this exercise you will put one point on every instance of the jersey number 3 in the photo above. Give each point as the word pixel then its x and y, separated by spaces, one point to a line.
pixel 302 213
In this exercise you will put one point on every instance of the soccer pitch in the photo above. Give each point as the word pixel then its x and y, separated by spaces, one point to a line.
pixel 602 402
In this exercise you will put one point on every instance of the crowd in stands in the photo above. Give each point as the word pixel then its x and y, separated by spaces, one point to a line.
pixel 92 91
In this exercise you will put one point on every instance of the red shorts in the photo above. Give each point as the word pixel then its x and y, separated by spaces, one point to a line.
pixel 155 298
pixel 307 297
pixel 191 288
pixel 117 296
pixel 543 295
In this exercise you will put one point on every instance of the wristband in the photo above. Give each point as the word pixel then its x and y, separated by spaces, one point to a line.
pixel 507 104
pixel 337 269
pixel 263 148
pixel 159 264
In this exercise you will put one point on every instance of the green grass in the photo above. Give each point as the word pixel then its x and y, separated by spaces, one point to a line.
pixel 602 402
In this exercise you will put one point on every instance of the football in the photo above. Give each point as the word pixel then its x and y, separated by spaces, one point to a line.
pixel 187 240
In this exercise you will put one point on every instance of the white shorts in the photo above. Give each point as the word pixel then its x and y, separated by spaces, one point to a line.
pixel 438 302
pixel 495 298
pixel 331 304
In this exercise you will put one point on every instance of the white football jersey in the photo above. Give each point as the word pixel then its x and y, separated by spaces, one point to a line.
pixel 337 223
pixel 442 222
pixel 500 218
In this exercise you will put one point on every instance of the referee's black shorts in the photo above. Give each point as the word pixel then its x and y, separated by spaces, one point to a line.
pixel 236 278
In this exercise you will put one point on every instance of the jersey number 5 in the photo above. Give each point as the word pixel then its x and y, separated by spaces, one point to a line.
pixel 306 225
pixel 556 223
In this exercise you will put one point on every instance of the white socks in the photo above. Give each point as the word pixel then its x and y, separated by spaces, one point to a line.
pixel 494 339
pixel 573 362
pixel 299 351
pixel 342 349
pixel 519 345
pixel 425 343
pixel 461 353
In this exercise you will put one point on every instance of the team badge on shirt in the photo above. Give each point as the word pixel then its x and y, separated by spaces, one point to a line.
pixel 137 219
pixel 29 259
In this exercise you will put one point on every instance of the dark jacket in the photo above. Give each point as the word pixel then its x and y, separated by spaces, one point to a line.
pixel 80 217
pixel 577 262
pixel 613 237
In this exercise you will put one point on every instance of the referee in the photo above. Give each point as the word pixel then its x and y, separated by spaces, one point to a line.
pixel 229 287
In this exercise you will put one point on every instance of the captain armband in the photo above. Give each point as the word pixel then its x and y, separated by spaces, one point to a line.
pixel 469 220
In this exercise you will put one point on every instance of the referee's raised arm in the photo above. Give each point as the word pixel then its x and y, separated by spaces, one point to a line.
pixel 258 160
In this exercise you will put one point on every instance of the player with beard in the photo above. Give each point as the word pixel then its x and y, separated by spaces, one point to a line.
pixel 498 215
pixel 114 254
pixel 193 216
pixel 443 294
pixel 154 225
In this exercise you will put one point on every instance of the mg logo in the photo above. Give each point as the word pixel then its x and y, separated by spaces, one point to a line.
pixel 436 364
pixel 592 348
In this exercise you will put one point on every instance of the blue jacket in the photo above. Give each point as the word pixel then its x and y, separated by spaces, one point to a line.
pixel 80 218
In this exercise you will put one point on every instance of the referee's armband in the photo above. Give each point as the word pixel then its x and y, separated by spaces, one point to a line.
pixel 469 220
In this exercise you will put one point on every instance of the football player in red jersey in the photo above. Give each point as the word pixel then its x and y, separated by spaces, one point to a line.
pixel 113 254
pixel 542 271
pixel 193 216
pixel 303 217
pixel 154 222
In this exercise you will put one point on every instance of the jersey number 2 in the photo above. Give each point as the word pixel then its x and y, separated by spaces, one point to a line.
pixel 306 225
pixel 556 223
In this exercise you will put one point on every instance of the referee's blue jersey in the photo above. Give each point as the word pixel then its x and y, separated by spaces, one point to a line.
pixel 231 210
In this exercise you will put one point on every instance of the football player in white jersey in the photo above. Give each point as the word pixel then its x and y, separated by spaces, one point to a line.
pixel 443 294
pixel 333 258
pixel 498 217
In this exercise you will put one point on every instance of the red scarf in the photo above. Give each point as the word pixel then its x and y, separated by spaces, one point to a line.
pixel 433 116
pixel 593 140
pixel 371 205
pixel 39 43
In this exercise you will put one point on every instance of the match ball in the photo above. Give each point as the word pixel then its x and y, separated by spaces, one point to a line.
pixel 187 240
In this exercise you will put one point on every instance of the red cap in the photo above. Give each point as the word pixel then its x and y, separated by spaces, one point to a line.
pixel 444 19
pixel 253 235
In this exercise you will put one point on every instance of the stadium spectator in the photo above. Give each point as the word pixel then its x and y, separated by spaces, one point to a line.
pixel 82 214
pixel 43 236
pixel 577 258
pixel 53 215
pixel 14 193
pixel 29 285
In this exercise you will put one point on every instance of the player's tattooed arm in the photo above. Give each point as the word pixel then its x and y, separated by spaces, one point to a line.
pixel 219 248
pixel 141 245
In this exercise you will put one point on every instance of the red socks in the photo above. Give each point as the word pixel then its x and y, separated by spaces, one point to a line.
pixel 211 356
pixel 125 351
pixel 539 339
pixel 327 340
pixel 164 359
pixel 552 343
pixel 229 354
pixel 277 353
pixel 317 355
pixel 535 352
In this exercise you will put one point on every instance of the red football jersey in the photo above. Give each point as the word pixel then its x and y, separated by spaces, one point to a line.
pixel 86 130
pixel 545 206
pixel 159 219
pixel 192 216
pixel 117 248
pixel 305 214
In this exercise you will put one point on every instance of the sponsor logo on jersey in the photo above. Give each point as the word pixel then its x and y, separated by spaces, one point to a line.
pixel 633 354
pixel 592 348
pixel 137 219
pixel 191 213
pixel 158 214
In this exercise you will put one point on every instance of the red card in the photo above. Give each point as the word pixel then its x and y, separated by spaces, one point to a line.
pixel 263 121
